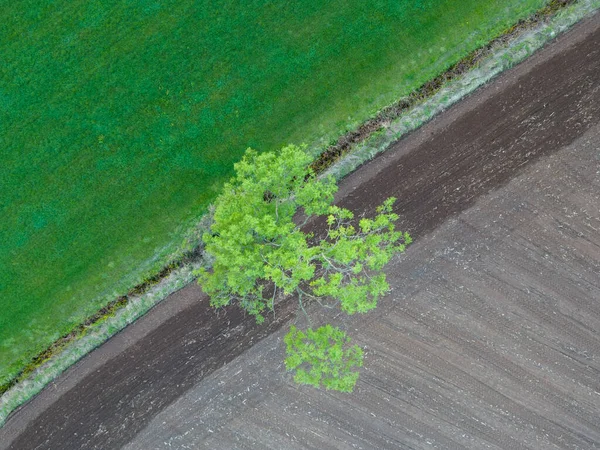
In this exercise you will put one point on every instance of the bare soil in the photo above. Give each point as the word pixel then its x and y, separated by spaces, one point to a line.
pixel 489 338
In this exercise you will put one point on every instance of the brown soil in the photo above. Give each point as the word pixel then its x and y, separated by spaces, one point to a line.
pixel 489 339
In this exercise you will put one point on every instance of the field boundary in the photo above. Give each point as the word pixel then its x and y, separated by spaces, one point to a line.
pixel 355 148
pixel 431 99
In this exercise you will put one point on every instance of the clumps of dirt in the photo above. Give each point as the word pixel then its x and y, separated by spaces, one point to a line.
pixel 334 152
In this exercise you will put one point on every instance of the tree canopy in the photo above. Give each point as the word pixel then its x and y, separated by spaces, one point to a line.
pixel 258 250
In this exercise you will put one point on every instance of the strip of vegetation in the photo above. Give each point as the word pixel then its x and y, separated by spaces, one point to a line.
pixel 119 303
pixel 334 152
pixel 188 254
pixel 80 330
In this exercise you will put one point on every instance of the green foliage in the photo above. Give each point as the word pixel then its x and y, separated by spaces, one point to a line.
pixel 254 242
pixel 350 254
pixel 323 357
pixel 254 239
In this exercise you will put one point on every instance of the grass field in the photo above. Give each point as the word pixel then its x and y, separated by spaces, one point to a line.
pixel 119 120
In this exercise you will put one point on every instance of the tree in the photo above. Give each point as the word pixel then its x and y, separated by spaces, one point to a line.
pixel 258 250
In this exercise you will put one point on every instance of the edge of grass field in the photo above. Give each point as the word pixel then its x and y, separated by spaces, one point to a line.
pixel 350 152
pixel 498 57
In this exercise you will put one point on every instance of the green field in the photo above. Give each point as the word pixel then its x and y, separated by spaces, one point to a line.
pixel 119 120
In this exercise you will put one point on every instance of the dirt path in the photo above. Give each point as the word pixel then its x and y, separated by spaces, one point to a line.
pixel 489 339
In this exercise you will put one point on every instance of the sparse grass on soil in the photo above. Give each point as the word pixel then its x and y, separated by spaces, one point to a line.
pixel 120 120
